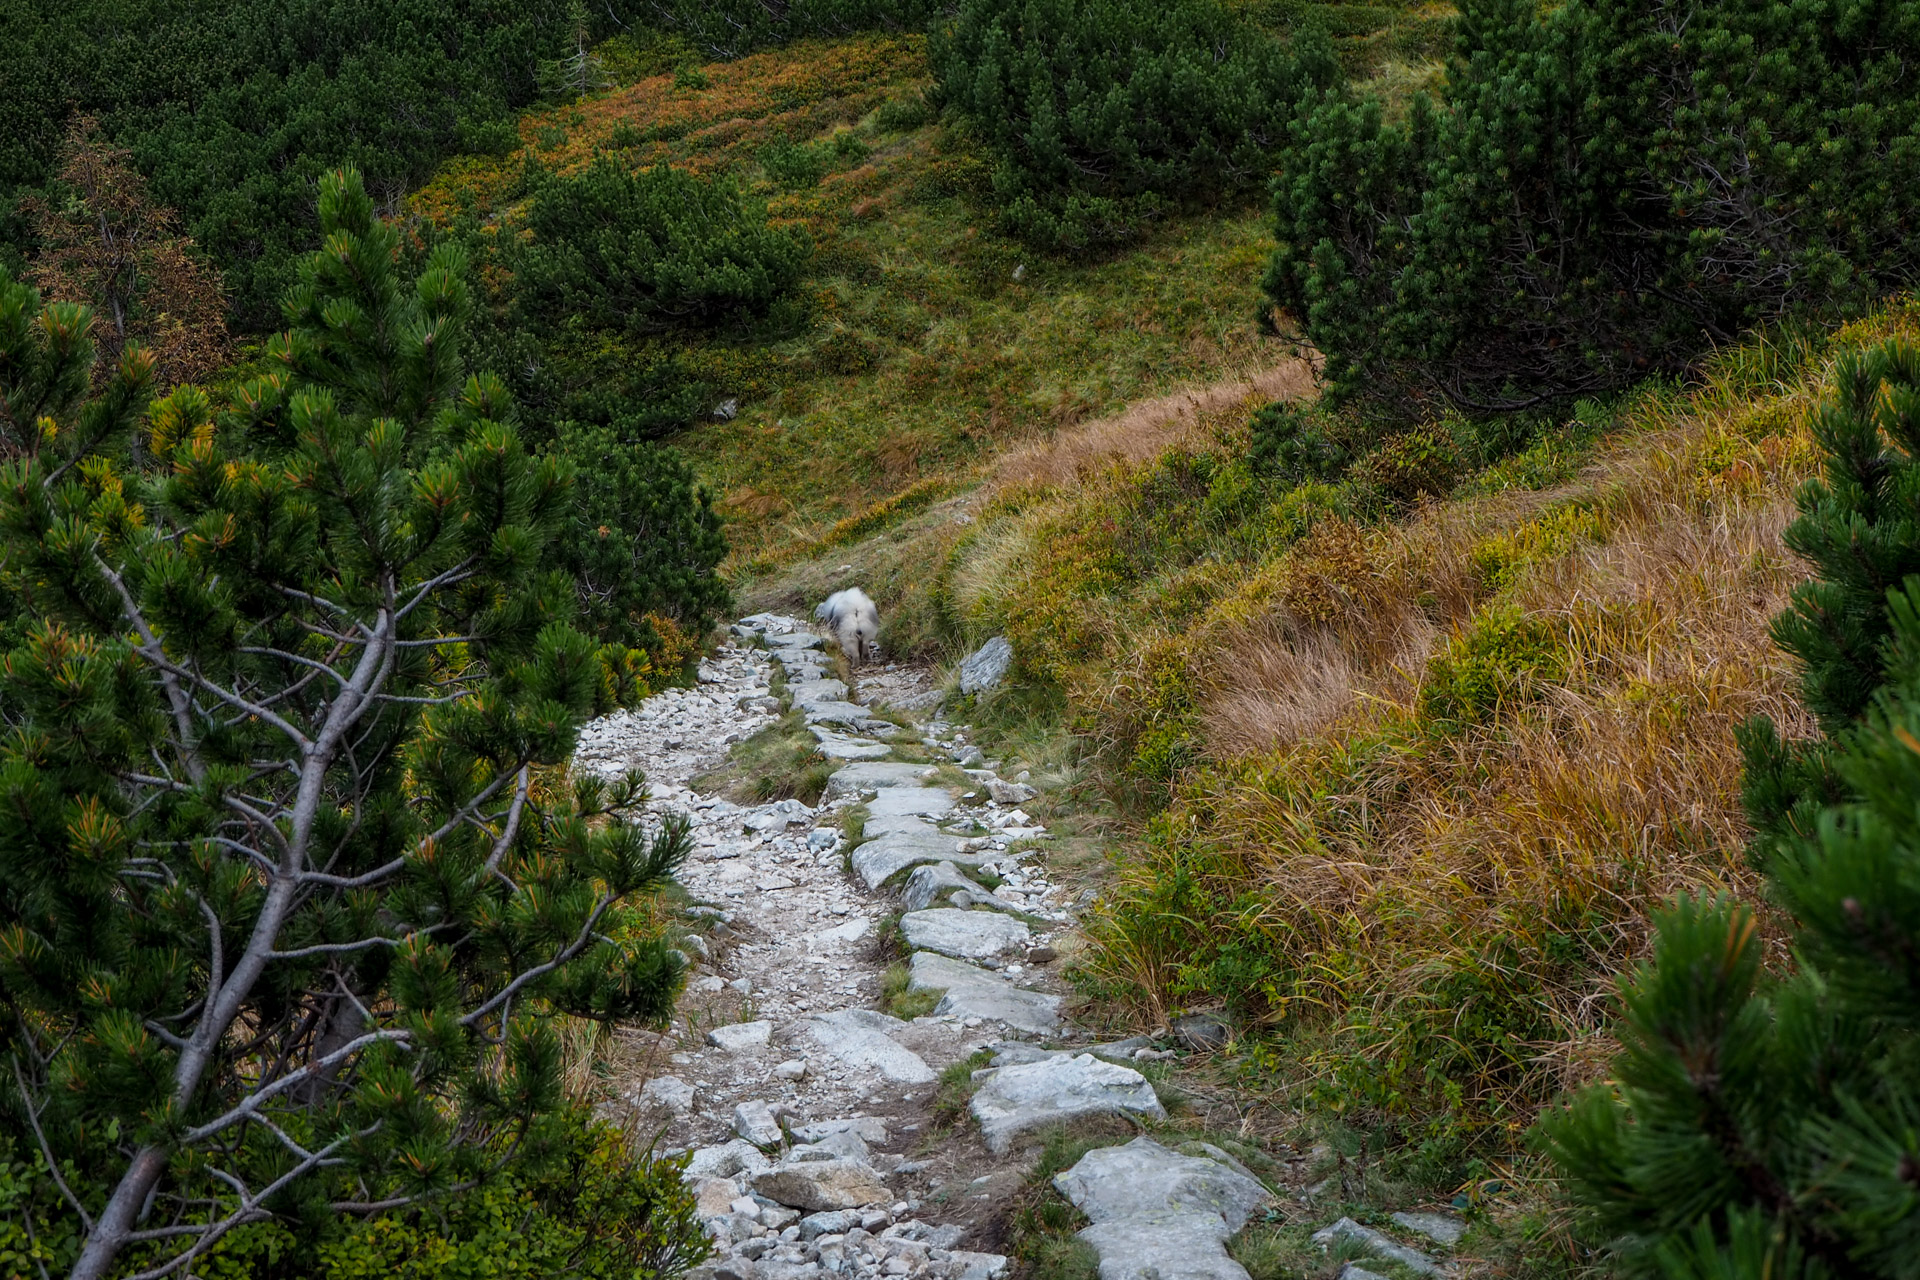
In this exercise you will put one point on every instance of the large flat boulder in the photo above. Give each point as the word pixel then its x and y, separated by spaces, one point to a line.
pixel 1017 1100
pixel 860 1038
pixel 807 692
pixel 859 779
pixel 1114 1183
pixel 878 861
pixel 986 666
pixel 1160 1215
pixel 820 1185
pixel 964 935
pixel 973 992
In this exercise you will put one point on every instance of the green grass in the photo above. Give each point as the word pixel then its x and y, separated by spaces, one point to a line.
pixel 780 762
pixel 899 999
pixel 955 1089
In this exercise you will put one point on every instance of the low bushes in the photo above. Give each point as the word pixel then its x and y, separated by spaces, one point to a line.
pixel 1105 114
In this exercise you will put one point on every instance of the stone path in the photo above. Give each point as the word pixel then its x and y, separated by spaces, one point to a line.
pixel 808 1109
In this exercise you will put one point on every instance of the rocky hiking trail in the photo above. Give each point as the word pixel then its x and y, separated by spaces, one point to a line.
pixel 817 1146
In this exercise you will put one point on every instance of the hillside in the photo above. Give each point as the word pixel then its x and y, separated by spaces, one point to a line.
pixel 1395 533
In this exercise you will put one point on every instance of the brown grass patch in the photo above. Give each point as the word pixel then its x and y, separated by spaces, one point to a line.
pixel 1148 428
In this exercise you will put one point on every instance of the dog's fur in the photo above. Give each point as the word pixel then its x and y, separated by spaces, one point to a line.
pixel 855 623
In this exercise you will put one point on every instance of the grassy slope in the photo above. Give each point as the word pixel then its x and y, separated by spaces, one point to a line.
pixel 922 356
pixel 1406 783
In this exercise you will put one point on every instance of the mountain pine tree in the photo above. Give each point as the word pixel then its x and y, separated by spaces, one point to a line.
pixel 1771 1128
pixel 1106 113
pixel 1602 190
pixel 289 887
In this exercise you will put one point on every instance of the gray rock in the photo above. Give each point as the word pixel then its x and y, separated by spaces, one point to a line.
pixel 1202 1032
pixel 972 992
pixel 965 1265
pixel 1212 1152
pixel 1441 1228
pixel 859 1038
pixel 819 1185
pixel 1164 1246
pixel 1354 1271
pixel 869 1128
pixel 859 779
pixel 879 860
pixel 1379 1245
pixel 965 935
pixel 1120 1050
pixel 821 839
pixel 838 746
pixel 741 1037
pixel 777 816
pixel 986 666
pixel 893 804
pixel 834 1223
pixel 926 885
pixel 846 713
pixel 1014 1100
pixel 805 692
pixel 1010 792
pixel 754 1122
pixel 670 1092
pixel 844 1145
pixel 794 639
pixel 1115 1183
pixel 728 1160
pixel 713 1196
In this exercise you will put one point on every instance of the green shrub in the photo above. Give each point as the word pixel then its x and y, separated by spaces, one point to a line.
pixel 1414 465
pixel 1105 112
pixel 1502 659
pixel 297 666
pixel 735 28
pixel 649 250
pixel 1296 445
pixel 1602 191
pixel 903 115
pixel 647 540
pixel 233 110
pixel 792 164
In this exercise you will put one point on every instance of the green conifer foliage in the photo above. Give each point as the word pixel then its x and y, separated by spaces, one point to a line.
pixel 1602 190
pixel 1761 1127
pixel 734 28
pixel 285 902
pixel 648 539
pixel 1105 113
pixel 649 250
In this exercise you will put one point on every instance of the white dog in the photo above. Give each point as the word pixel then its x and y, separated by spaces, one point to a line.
pixel 855 623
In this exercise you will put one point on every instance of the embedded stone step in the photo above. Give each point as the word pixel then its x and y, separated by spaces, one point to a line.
pixel 861 1039
pixel 973 992
pixel 964 935
pixel 1016 1100
pixel 878 861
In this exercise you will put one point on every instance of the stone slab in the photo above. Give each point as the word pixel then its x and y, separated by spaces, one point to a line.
pixel 972 992
pixel 964 935
pixel 822 1185
pixel 1016 1100
pixel 807 692
pixel 741 1037
pixel 986 666
pixel 1379 1245
pixel 928 884
pixel 878 861
pixel 1142 1177
pixel 860 1038
pixel 1163 1246
pixel 859 779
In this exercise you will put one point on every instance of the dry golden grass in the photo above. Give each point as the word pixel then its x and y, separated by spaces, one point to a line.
pixel 1433 901
pixel 1148 428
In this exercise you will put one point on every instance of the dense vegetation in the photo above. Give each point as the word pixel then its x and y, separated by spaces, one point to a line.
pixel 234 109
pixel 1106 113
pixel 1600 192
pixel 1765 1126
pixel 289 902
